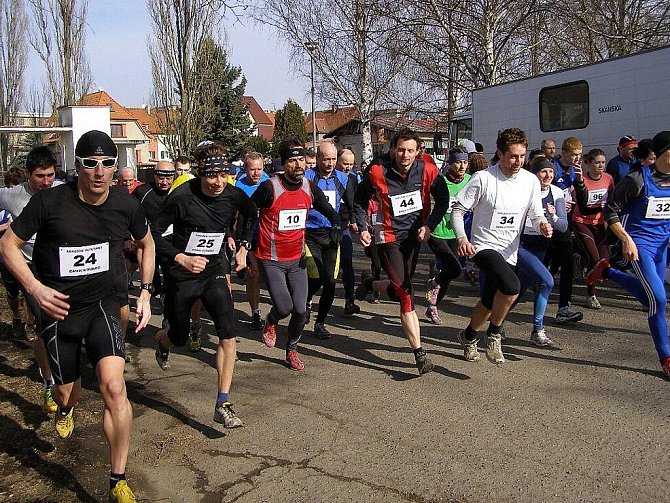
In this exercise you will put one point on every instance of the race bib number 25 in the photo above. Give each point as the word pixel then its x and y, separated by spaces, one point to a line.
pixel 83 260
pixel 204 243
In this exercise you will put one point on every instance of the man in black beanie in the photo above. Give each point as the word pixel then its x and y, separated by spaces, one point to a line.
pixel 80 229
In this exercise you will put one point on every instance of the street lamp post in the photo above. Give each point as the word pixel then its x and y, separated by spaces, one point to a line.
pixel 311 46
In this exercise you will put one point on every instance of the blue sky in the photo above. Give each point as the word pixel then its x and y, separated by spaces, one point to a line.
pixel 117 50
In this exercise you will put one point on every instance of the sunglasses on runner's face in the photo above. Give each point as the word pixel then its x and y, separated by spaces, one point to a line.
pixel 90 163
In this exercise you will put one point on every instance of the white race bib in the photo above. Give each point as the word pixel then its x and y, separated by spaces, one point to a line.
pixel 409 202
pixel 331 196
pixel 292 220
pixel 452 201
pixel 205 243
pixel 505 220
pixel 597 196
pixel 658 208
pixel 83 260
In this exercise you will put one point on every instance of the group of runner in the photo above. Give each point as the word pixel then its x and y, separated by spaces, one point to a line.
pixel 294 230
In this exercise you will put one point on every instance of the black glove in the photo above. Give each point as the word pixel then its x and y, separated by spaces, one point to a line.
pixel 335 235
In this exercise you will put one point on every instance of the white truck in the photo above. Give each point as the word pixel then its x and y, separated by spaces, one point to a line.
pixel 597 103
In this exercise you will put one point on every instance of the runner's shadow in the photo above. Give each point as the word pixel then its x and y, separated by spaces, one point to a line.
pixel 25 446
pixel 32 413
pixel 137 393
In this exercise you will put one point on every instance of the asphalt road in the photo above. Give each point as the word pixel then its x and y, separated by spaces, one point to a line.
pixel 586 420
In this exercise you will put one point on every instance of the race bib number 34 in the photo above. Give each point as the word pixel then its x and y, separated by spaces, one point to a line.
pixel 505 220
pixel 291 220
pixel 204 243
pixel 83 260
pixel 409 202
pixel 658 208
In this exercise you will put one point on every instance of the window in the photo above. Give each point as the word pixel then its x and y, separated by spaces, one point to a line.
pixel 162 154
pixel 117 131
pixel 460 129
pixel 564 107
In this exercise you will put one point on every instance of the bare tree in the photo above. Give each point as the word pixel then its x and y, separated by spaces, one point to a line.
pixel 59 38
pixel 13 58
pixel 351 63
pixel 180 30
pixel 603 29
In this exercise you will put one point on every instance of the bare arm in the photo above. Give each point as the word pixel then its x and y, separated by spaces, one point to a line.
pixel 52 301
pixel 147 256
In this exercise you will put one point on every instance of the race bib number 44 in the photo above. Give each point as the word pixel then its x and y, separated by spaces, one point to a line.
pixel 658 208
pixel 291 220
pixel 83 260
pixel 409 202
pixel 204 243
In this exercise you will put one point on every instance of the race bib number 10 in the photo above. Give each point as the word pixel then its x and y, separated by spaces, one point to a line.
pixel 83 260
pixel 204 243
pixel 658 208
pixel 409 202
pixel 292 220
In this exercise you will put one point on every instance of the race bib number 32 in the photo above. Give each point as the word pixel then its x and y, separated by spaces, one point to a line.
pixel 83 260
pixel 409 202
pixel 204 243
pixel 658 208
pixel 292 220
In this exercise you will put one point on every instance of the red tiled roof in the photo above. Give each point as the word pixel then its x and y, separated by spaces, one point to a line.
pixel 152 120
pixel 328 120
pixel 418 125
pixel 101 98
pixel 259 116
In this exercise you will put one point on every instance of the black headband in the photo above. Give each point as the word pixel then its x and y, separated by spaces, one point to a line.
pixel 294 152
pixel 213 164
pixel 160 172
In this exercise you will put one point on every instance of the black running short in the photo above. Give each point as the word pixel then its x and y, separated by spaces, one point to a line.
pixel 181 295
pixel 95 326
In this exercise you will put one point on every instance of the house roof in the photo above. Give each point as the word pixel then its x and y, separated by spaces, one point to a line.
pixel 150 119
pixel 101 98
pixel 257 113
pixel 327 120
pixel 395 123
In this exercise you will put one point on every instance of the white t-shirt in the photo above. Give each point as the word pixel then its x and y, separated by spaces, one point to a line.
pixel 500 205
pixel 14 199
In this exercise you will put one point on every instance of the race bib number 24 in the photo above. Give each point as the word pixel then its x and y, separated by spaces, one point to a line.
pixel 83 260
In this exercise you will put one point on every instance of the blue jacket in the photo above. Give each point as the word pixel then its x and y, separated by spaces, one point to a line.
pixel 244 183
pixel 334 188
pixel 618 168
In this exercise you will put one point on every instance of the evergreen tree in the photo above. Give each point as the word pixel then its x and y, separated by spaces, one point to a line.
pixel 289 122
pixel 221 94
pixel 258 144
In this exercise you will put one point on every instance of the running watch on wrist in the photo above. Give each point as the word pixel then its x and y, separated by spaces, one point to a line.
pixel 245 244
pixel 149 287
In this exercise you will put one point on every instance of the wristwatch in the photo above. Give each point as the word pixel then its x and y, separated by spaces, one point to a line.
pixel 245 244
pixel 149 287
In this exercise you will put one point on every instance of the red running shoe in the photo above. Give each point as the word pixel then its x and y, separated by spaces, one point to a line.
pixel 294 361
pixel 665 366
pixel 269 334
pixel 598 272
